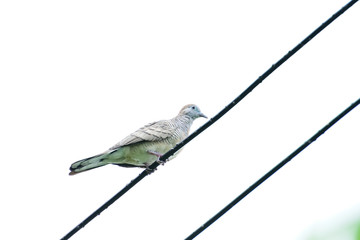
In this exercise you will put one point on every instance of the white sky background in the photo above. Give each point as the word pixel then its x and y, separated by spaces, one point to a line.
pixel 78 76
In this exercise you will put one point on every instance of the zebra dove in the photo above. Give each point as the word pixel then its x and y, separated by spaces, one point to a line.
pixel 146 145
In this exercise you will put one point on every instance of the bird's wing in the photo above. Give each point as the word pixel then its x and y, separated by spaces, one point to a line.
pixel 151 132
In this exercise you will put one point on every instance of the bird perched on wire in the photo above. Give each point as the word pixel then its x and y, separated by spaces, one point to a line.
pixel 146 145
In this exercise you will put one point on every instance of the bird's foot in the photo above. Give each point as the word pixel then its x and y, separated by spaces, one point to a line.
pixel 158 155
pixel 149 170
pixel 154 153
pixel 162 162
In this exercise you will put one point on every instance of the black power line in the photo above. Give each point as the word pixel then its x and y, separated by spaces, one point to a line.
pixel 272 171
pixel 208 123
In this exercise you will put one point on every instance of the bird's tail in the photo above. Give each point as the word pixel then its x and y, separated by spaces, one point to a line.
pixel 87 164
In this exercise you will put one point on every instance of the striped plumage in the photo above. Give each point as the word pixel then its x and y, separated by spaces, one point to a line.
pixel 136 149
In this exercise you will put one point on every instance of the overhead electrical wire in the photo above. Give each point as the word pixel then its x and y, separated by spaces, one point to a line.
pixel 210 122
pixel 272 171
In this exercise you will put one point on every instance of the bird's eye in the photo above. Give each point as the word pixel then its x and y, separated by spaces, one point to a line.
pixel 193 107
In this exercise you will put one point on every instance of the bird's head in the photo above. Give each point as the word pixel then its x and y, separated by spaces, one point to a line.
pixel 192 111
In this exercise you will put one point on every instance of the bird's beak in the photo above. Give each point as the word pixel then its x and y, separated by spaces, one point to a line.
pixel 202 115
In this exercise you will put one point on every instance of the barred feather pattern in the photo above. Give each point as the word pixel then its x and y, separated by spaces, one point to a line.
pixel 157 137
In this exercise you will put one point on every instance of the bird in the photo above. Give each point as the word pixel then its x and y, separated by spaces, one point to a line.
pixel 146 145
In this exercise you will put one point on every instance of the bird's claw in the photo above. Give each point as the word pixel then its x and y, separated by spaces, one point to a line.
pixel 161 162
pixel 149 170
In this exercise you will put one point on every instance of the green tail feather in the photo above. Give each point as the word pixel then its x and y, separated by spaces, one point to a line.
pixel 87 164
